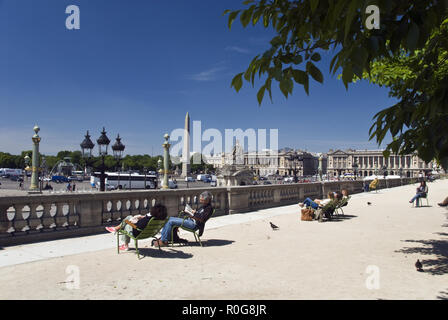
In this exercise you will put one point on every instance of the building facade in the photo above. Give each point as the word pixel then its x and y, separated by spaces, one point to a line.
pixel 369 162
pixel 269 162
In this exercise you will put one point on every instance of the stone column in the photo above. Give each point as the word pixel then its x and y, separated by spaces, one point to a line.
pixel 166 148
pixel 35 161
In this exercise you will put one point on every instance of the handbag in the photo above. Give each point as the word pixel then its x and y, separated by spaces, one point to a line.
pixel 307 214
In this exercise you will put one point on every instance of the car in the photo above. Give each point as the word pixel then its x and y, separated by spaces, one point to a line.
pixel 267 182
pixel 172 184
pixel 189 179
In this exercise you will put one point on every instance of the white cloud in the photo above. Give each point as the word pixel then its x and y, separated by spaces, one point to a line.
pixel 208 75
pixel 237 49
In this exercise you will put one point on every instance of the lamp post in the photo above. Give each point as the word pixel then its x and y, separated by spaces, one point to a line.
pixel 43 170
pixel 35 161
pixel 103 142
pixel 401 175
pixel 384 168
pixel 294 157
pixel 376 168
pixel 27 166
pixel 166 147
pixel 86 150
pixel 118 149
pixel 159 171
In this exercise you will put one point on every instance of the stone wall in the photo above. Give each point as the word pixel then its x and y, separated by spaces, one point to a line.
pixel 41 217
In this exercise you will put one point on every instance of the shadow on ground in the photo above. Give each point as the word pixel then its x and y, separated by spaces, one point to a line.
pixel 207 243
pixel 443 295
pixel 439 248
pixel 339 218
pixel 164 253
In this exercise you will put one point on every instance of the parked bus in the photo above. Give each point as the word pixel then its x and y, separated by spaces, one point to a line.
pixel 115 181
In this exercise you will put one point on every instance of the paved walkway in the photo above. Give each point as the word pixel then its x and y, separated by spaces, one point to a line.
pixel 367 254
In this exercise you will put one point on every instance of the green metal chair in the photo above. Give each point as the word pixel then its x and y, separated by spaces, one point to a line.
pixel 196 232
pixel 152 228
pixel 418 203
pixel 326 210
pixel 341 204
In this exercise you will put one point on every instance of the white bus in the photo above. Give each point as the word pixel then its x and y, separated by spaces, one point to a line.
pixel 125 181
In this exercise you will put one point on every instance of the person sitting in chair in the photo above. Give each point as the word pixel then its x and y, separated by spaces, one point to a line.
pixel 316 203
pixel 422 191
pixel 131 223
pixel 195 222
pixel 374 184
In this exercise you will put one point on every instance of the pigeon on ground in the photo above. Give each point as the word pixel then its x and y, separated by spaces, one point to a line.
pixel 369 203
pixel 419 265
pixel 273 226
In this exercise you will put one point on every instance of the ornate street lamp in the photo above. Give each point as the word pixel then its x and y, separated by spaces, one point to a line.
pixel 86 150
pixel 27 166
pixel 385 175
pixel 294 157
pixel 159 170
pixel 103 142
pixel 118 149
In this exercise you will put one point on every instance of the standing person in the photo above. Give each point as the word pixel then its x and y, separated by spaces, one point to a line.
pixel 422 191
pixel 157 212
pixel 73 187
pixel 69 187
pixel 196 222
pixel 20 185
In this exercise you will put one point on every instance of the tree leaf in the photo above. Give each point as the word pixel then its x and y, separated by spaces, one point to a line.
pixel 232 17
pixel 260 94
pixel 237 82
pixel 314 72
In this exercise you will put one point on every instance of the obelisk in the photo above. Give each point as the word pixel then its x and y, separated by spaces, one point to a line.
pixel 186 148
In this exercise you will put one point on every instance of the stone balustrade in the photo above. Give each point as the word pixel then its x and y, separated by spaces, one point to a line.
pixel 39 217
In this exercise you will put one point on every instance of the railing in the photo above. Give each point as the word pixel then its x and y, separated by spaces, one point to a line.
pixel 40 217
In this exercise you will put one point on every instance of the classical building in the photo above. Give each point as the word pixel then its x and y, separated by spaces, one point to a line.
pixel 269 162
pixel 369 162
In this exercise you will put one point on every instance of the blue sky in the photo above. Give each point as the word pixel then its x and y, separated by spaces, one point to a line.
pixel 136 67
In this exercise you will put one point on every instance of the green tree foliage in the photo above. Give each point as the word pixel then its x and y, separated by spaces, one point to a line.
pixel 135 162
pixel 305 28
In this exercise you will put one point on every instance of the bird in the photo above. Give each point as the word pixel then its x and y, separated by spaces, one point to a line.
pixel 273 226
pixel 369 203
pixel 419 265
